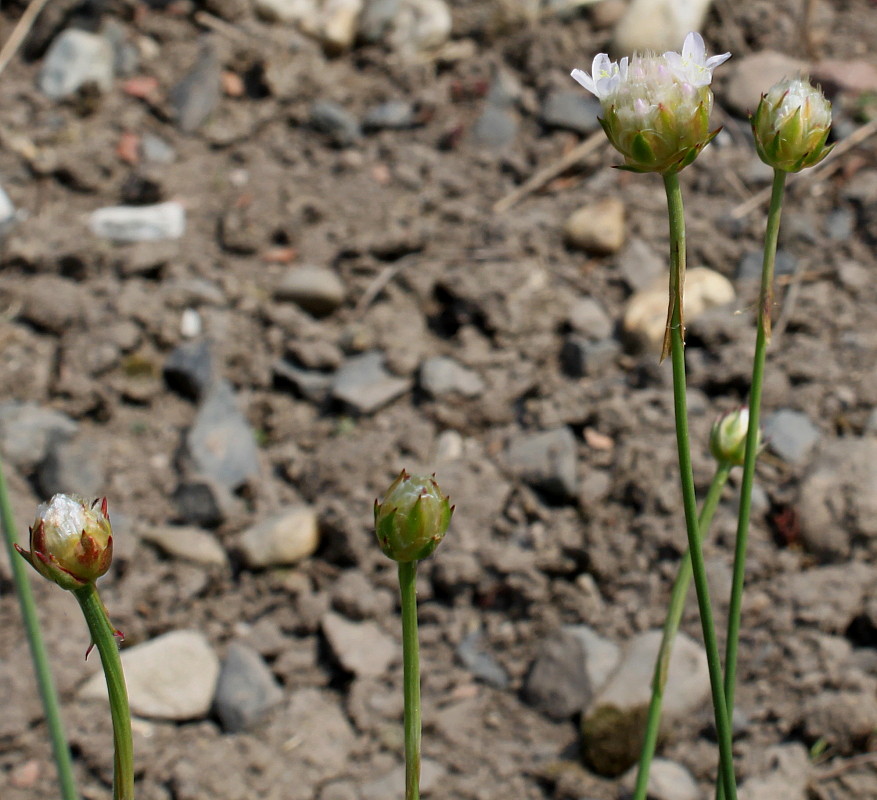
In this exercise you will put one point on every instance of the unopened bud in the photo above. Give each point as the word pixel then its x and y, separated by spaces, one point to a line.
pixel 412 518
pixel 71 541
pixel 791 126
pixel 728 437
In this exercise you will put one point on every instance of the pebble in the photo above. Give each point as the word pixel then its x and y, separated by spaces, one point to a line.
pixel 361 648
pixel 139 223
pixel 645 317
pixel 790 434
pixel 392 115
pixel 597 227
pixel 587 317
pixel 287 537
pixel 246 689
pixel 495 127
pixel 640 266
pixel 441 376
pixel 337 123
pixel 377 18
pixel 220 444
pixel 839 224
pixel 380 788
pixel 73 466
pixel 7 212
pixel 612 730
pixel 171 677
pixel 837 503
pixel 571 111
pixel 546 460
pixel 752 75
pixel 310 384
pixel 26 430
pixel 197 95
pixel 474 657
pixel 667 781
pixel 315 289
pixel 285 11
pixel 76 58
pixel 829 597
pixel 844 720
pixel 356 597
pixel 201 501
pixel 581 358
pixel 338 24
pixel 420 25
pixel 40 308
pixel 787 777
pixel 659 25
pixel 365 385
pixel 156 150
pixel 190 369
pixel 749 268
pixel 189 543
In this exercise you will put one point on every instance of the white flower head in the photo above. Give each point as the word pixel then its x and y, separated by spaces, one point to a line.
pixel 605 77
pixel 693 66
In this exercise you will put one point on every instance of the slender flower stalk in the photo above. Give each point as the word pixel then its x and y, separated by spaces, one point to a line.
pixel 410 523
pixel 689 500
pixel 671 627
pixel 39 656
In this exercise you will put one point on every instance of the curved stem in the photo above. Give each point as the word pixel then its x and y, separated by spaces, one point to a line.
pixel 762 339
pixel 104 637
pixel 43 672
pixel 689 500
pixel 671 627
pixel 411 677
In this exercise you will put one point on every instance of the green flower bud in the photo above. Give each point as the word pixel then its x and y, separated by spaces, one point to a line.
pixel 656 108
pixel 412 518
pixel 71 541
pixel 791 126
pixel 728 437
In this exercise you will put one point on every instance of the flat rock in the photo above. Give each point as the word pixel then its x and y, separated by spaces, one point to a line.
pixel 546 460
pixel 246 689
pixel 220 443
pixel 340 126
pixel 194 98
pixel 475 656
pixel 790 434
pixel 570 110
pixel 587 317
pixel 139 223
pixel 315 289
pixel 658 25
pixel 365 385
pixel 667 781
pixel 751 76
pixel 190 369
pixel 612 726
pixel 188 543
pixel 597 227
pixel 172 677
pixel 645 316
pixel 495 127
pixel 441 375
pixel 76 58
pixel 853 75
pixel 27 429
pixel 361 648
pixel 286 537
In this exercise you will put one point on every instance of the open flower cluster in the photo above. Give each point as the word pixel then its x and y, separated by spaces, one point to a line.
pixel 656 108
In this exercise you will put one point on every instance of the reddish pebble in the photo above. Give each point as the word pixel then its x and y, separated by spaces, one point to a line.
pixel 25 775
pixel 279 255
pixel 597 440
pixel 233 84
pixel 381 174
pixel 128 148
pixel 142 87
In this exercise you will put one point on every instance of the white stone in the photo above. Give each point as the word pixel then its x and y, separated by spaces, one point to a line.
pixel 285 11
pixel 285 538
pixel 421 25
pixel 658 25
pixel 667 781
pixel 597 227
pixel 139 223
pixel 190 543
pixel 339 24
pixel 172 677
pixel 75 58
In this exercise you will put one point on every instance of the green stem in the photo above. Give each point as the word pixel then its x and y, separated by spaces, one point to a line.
pixel 671 627
pixel 43 672
pixel 411 677
pixel 104 637
pixel 762 339
pixel 689 500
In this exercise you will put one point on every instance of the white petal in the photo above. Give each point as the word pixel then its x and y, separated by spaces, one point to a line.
pixel 713 61
pixel 694 49
pixel 585 80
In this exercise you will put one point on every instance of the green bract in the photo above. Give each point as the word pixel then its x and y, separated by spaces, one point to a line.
pixel 412 518
pixel 71 541
pixel 791 125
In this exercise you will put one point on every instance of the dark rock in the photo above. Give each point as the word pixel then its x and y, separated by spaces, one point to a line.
pixel 190 369
pixel 580 357
pixel 246 689
pixel 546 460
pixel 312 385
pixel 203 502
pixel 339 125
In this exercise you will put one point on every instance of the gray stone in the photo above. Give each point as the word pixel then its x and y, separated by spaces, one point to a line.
pixel 191 544
pixel 365 385
pixel 474 657
pixel 76 58
pixel 571 110
pixel 750 265
pixel 361 648
pixel 197 95
pixel 829 597
pixel 246 689
pixel 495 127
pixel 786 775
pixel 547 460
pixel 612 726
pixel 315 289
pixel 286 537
pixel 139 223
pixel 441 375
pixel 156 150
pixel 312 385
pixel 356 597
pixel 392 115
pixel 601 656
pixel 843 720
pixel 790 435
pixel 285 11
pixel 597 227
pixel 431 775
pixel 580 357
pixel 586 316
pixel 190 369
pixel 337 123
pixel 640 265
pixel 204 502
pixel 839 224
pixel 752 75
pixel 74 466
pixel 27 429
pixel 172 677
pixel 377 18
pixel 667 781
pixel 220 444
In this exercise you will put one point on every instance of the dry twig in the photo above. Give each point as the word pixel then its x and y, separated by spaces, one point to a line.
pixel 22 29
